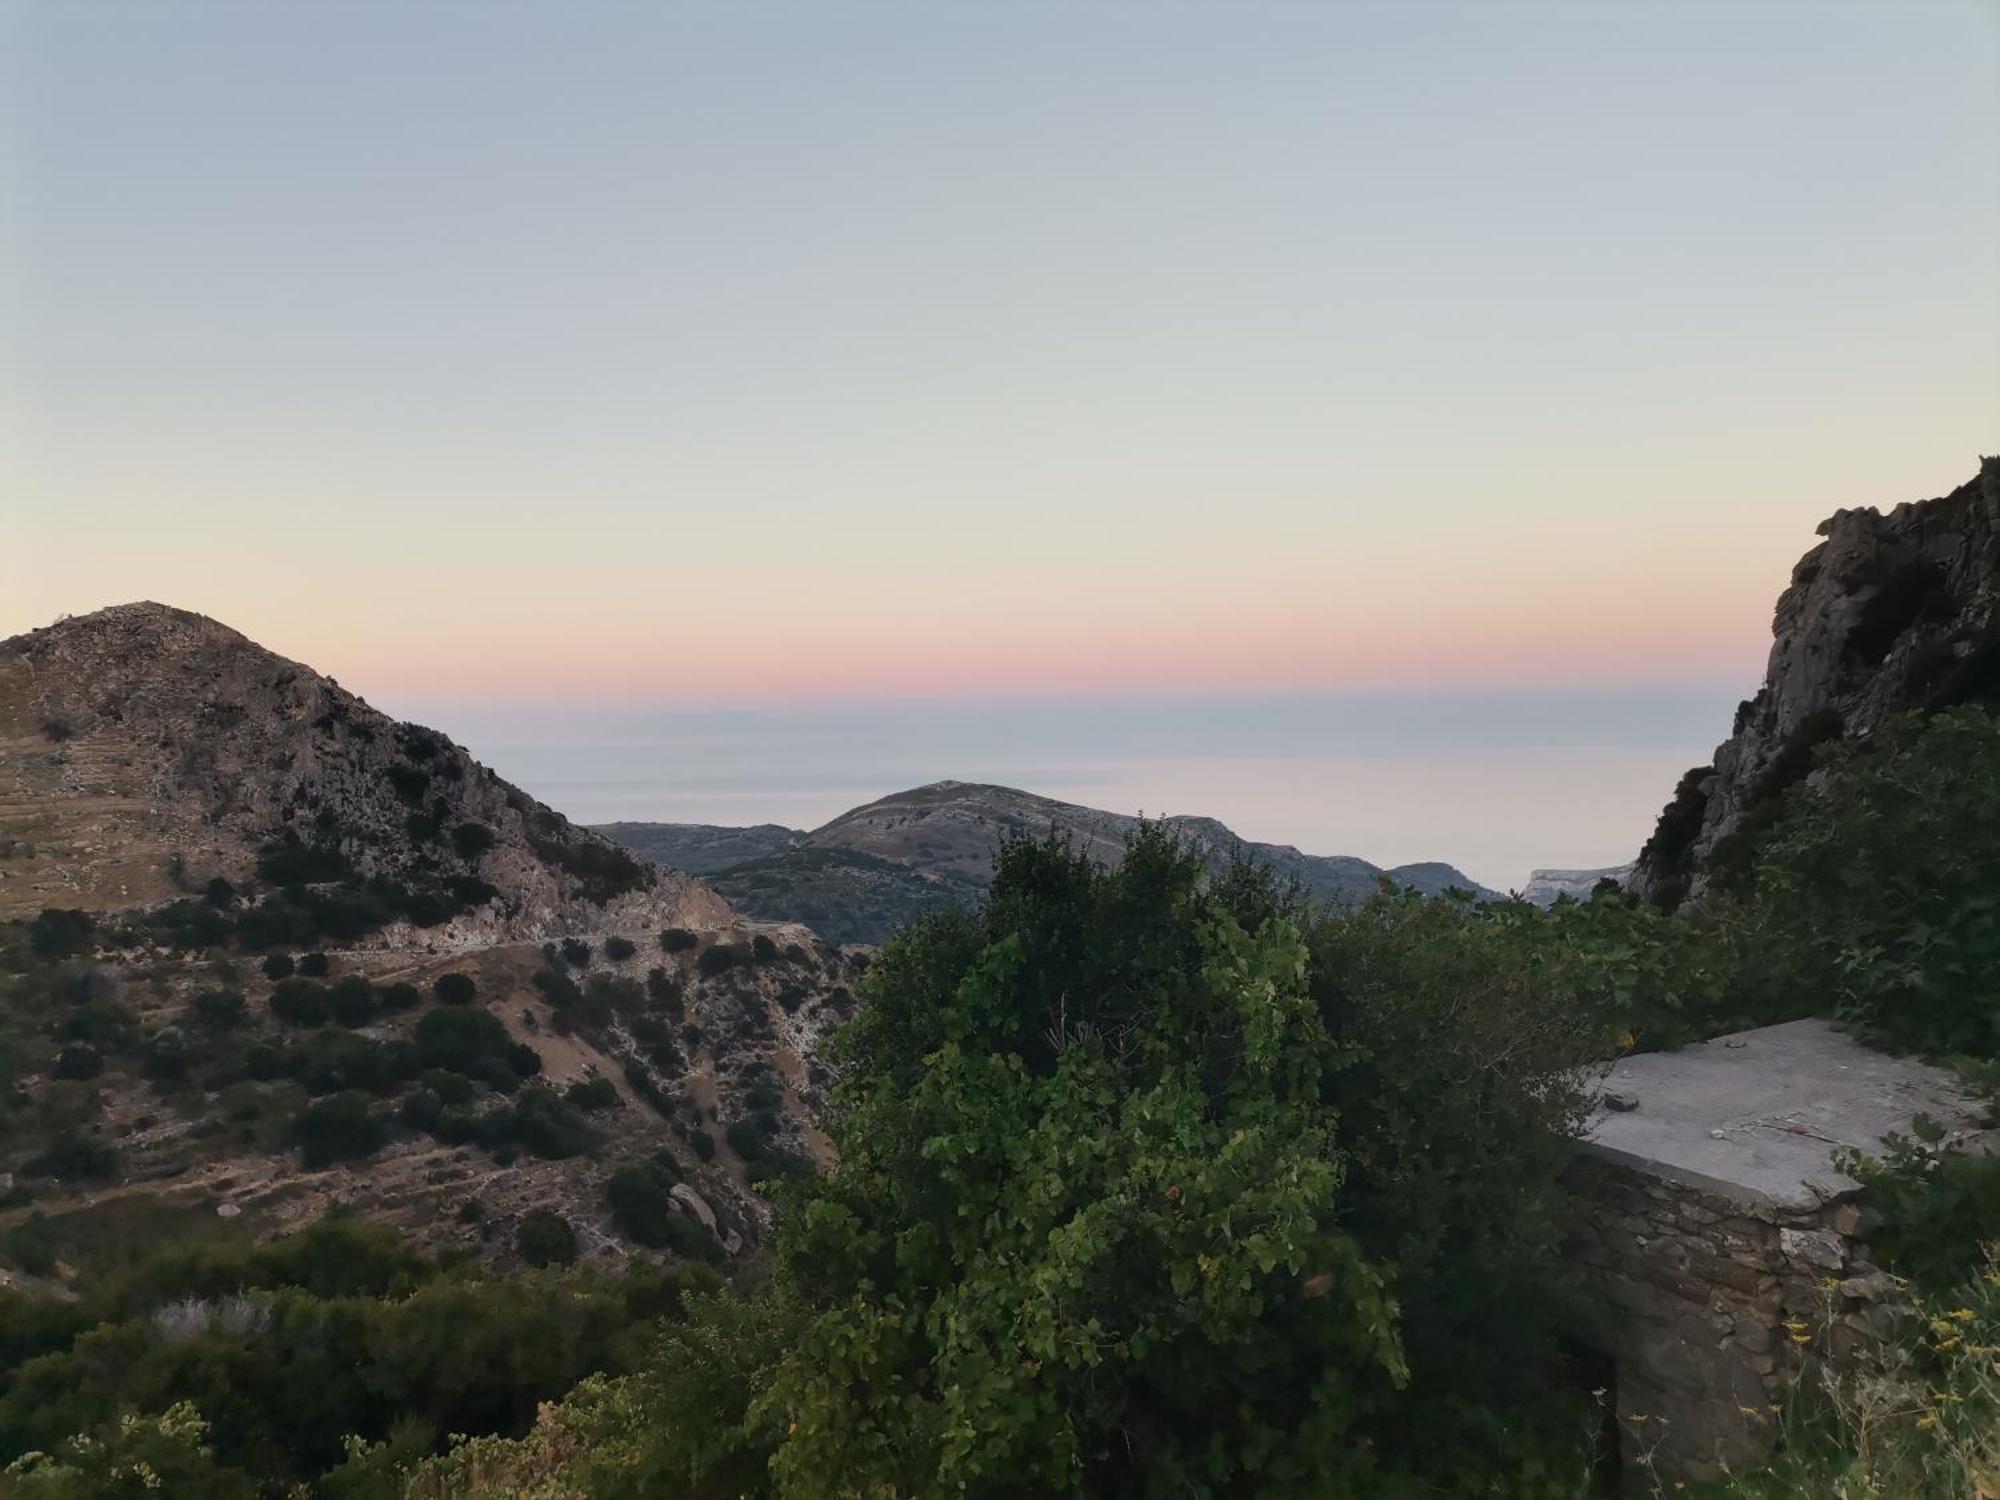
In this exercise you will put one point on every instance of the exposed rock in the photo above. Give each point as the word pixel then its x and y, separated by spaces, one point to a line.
pixel 1546 887
pixel 1889 613
pixel 695 1204
pixel 146 750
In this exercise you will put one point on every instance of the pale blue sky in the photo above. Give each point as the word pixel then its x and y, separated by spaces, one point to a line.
pixel 702 354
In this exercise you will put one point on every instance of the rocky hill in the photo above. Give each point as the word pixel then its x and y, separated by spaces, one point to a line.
pixel 1889 613
pixel 861 876
pixel 146 751
pixel 265 951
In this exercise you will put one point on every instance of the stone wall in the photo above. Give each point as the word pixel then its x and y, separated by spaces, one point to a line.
pixel 1709 1306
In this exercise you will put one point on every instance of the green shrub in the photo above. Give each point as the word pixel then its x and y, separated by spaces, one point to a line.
pixel 545 1238
pixel 341 1127
pixel 678 940
pixel 278 966
pixel 1939 1209
pixel 220 1010
pixel 452 1088
pixel 1872 896
pixel 663 991
pixel 719 958
pixel 472 840
pixel 61 933
pixel 300 1002
pixel 1057 1122
pixel 74 1156
pixel 400 997
pixel 459 1038
pixel 763 949
pixel 592 1093
pixel 421 1110
pixel 455 988
pixel 352 1001
pixel 618 949
pixel 77 1061
pixel 313 965
pixel 575 952
pixel 640 1205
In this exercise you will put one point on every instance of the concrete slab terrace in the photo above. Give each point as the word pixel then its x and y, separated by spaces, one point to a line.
pixel 1756 1117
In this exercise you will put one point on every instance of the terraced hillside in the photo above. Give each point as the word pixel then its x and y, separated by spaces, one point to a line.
pixel 265 952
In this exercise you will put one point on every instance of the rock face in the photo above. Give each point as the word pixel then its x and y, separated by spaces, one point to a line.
pixel 1890 613
pixel 861 876
pixel 145 751
pixel 1546 887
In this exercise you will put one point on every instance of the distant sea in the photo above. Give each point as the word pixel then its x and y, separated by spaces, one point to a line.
pixel 1495 783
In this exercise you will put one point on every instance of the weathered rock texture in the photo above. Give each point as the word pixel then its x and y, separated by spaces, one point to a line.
pixel 145 750
pixel 1722 1250
pixel 1546 887
pixel 1710 1307
pixel 1889 613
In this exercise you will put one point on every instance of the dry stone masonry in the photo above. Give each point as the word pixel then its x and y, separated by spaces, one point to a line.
pixel 1723 1251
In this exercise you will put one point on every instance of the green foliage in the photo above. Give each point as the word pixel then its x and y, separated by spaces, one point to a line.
pixel 61 933
pixel 278 966
pixel 618 949
pixel 592 1093
pixel 1938 1208
pixel 459 1039
pixel 220 1010
pixel 472 840
pixel 455 988
pixel 1876 896
pixel 301 1002
pixel 132 1457
pixel 720 958
pixel 545 1238
pixel 341 1127
pixel 640 1206
pixel 678 940
pixel 292 1348
pixel 78 1060
pixel 74 1156
pixel 1086 1233
pixel 602 871
pixel 352 1001
pixel 763 948
pixel 1927 1429
pixel 400 997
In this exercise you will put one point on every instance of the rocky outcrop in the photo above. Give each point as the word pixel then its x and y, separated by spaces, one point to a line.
pixel 1546 887
pixel 1889 613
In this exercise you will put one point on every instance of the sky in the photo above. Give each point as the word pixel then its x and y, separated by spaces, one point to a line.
pixel 542 367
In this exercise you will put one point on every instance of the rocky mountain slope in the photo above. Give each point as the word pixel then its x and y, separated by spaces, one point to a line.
pixel 265 951
pixel 859 877
pixel 145 751
pixel 1889 613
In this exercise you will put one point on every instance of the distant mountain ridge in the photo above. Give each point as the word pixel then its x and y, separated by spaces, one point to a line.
pixel 865 873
